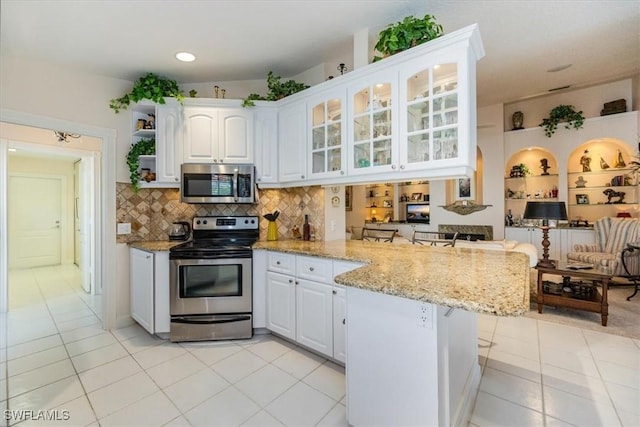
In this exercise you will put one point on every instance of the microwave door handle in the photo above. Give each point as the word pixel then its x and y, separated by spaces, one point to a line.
pixel 235 184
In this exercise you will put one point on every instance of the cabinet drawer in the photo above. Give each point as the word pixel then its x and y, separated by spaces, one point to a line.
pixel 316 269
pixel 281 263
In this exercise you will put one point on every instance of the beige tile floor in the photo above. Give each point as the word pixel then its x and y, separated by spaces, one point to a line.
pixel 54 356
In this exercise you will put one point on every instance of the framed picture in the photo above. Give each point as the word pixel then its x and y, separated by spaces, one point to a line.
pixel 465 189
pixel 582 199
pixel 416 196
pixel 348 197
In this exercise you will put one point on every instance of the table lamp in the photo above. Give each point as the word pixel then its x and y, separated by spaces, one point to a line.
pixel 545 211
pixel 373 216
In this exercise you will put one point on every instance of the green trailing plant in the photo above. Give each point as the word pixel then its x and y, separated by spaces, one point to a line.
pixel 405 34
pixel 146 146
pixel 277 90
pixel 562 113
pixel 524 170
pixel 149 86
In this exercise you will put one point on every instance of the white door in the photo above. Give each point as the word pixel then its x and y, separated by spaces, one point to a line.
pixel 314 316
pixel 281 304
pixel 292 148
pixel 236 136
pixel 200 135
pixel 35 215
pixel 141 283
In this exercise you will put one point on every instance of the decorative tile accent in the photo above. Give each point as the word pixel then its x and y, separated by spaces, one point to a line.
pixel 152 211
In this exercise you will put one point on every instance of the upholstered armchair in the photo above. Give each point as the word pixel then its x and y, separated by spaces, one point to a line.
pixel 612 236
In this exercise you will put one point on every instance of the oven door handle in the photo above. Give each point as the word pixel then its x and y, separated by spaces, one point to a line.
pixel 200 321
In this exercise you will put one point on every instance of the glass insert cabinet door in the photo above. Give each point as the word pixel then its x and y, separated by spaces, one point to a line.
pixel 326 137
pixel 372 127
pixel 432 114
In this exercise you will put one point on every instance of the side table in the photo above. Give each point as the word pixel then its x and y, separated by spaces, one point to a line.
pixel 597 303
pixel 633 246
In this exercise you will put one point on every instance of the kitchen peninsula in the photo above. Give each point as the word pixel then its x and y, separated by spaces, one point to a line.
pixel 411 320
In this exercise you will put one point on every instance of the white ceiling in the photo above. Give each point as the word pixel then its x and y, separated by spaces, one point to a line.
pixel 244 39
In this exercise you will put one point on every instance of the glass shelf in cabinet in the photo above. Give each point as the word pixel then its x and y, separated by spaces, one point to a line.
pixel 602 171
pixel 145 133
pixel 600 187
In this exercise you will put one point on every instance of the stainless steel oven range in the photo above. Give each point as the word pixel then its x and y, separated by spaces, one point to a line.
pixel 210 280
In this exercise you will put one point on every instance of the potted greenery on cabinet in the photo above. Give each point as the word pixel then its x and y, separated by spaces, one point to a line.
pixel 146 146
pixel 409 32
pixel 150 87
pixel 562 113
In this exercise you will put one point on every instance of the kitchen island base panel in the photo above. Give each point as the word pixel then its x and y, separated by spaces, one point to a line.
pixel 409 362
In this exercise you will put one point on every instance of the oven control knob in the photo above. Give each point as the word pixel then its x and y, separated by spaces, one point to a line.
pixel 246 221
pixel 198 222
pixel 204 221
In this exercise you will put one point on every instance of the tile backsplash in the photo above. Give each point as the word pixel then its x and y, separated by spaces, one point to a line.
pixel 151 211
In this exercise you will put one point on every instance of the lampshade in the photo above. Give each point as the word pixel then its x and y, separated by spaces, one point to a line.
pixel 545 210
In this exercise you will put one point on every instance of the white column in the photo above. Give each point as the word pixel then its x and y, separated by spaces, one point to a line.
pixel 360 48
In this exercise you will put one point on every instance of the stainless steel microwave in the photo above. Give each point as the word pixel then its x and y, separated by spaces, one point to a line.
pixel 217 183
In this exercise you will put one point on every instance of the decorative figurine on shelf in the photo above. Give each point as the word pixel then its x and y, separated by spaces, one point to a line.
pixel 544 165
pixel 581 183
pixel 216 89
pixel 610 193
pixel 619 161
pixel 517 120
pixel 603 164
pixel 151 122
pixel 585 161
pixel 509 219
pixel 193 93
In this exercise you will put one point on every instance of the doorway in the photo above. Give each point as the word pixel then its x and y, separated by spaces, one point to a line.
pixel 103 184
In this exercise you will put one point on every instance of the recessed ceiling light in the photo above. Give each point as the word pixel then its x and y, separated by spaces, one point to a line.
pixel 558 68
pixel 185 56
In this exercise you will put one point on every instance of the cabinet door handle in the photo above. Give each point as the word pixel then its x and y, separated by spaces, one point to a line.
pixel 302 176
pixel 297 282
pixel 176 179
pixel 148 256
pixel 341 172
pixel 335 292
pixel 344 321
pixel 393 166
pixel 290 280
pixel 310 268
pixel 401 166
pixel 277 262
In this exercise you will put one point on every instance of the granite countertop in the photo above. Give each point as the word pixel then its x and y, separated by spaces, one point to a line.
pixel 156 245
pixel 482 281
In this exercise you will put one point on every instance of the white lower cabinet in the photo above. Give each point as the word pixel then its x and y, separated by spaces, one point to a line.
pixel 303 303
pixel 149 289
pixel 561 240
pixel 314 315
pixel 339 324
pixel 281 304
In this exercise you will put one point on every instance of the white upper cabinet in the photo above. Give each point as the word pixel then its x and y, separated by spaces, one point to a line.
pixel 236 135
pixel 200 135
pixel 168 143
pixel 373 130
pixel 266 144
pixel 409 116
pixel 217 135
pixel 327 153
pixel 292 138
